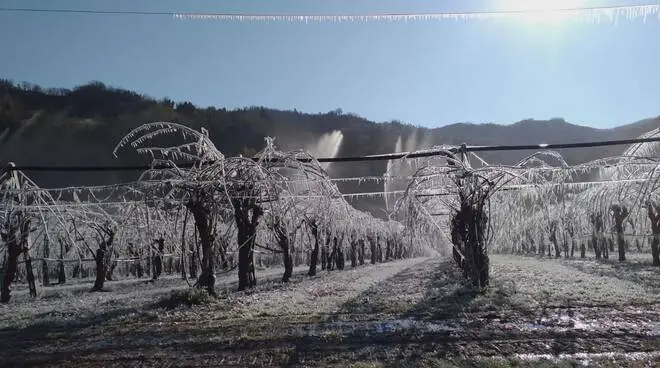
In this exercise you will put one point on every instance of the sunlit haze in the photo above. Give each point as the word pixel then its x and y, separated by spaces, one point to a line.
pixel 429 73
pixel 538 5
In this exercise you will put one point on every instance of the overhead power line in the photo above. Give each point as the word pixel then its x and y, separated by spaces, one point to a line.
pixel 383 157
pixel 593 13
pixel 85 11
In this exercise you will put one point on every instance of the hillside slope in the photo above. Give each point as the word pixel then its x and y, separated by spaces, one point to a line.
pixel 81 127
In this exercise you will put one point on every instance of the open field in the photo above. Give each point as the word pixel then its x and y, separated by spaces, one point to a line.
pixel 412 312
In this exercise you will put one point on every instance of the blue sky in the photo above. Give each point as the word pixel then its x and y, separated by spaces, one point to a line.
pixel 429 73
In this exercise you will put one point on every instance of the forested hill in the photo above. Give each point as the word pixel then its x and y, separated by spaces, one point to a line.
pixel 81 126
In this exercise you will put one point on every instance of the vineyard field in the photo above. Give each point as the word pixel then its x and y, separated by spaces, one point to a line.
pixel 402 313
pixel 208 260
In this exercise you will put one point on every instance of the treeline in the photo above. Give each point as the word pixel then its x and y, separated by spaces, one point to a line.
pixel 40 126
pixel 79 126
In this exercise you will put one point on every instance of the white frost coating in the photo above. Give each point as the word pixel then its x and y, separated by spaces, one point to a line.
pixel 587 356
pixel 584 15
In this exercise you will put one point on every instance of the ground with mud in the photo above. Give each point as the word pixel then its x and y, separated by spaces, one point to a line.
pixel 405 313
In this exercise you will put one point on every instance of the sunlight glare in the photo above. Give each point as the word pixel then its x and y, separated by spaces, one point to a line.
pixel 540 11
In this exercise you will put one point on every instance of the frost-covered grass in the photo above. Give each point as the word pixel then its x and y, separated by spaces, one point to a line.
pixel 611 361
pixel 520 283
pixel 567 283
pixel 71 302
pixel 638 269
pixel 413 312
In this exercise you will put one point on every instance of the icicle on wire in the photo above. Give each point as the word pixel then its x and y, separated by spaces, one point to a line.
pixel 583 14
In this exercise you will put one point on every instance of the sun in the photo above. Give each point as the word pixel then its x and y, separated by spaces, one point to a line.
pixel 545 11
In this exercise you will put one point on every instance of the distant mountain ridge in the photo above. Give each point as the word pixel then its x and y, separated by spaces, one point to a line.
pixel 82 125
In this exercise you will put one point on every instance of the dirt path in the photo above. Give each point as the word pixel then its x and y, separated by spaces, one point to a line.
pixel 411 312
